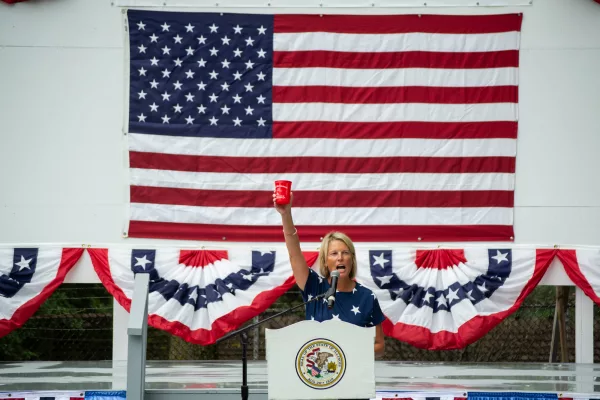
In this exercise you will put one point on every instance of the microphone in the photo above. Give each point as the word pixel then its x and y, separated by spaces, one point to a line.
pixel 334 279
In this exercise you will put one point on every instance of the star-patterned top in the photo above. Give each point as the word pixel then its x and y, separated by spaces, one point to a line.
pixel 359 307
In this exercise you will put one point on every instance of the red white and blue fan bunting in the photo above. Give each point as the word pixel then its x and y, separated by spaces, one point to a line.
pixel 28 276
pixel 583 267
pixel 447 299
pixel 198 295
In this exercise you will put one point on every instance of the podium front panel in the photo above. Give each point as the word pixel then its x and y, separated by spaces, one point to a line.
pixel 321 360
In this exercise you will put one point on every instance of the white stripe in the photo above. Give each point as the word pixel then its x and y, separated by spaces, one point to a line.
pixel 392 42
pixel 323 147
pixel 395 77
pixel 323 215
pixel 394 112
pixel 436 322
pixel 589 265
pixel 329 182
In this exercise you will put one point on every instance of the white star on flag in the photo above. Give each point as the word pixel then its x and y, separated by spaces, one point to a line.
pixel 441 301
pixel 482 288
pixel 194 295
pixel 380 260
pixel 499 257
pixel 452 295
pixel 427 297
pixel 384 279
pixel 469 294
pixel 24 263
pixel 142 262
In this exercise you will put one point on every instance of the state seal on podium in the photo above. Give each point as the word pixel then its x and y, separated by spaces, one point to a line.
pixel 320 363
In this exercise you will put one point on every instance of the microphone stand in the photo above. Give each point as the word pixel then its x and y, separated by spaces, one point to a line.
pixel 244 337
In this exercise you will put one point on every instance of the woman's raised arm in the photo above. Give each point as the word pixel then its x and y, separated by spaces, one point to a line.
pixel 292 242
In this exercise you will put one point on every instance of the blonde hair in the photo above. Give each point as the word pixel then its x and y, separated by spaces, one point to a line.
pixel 330 237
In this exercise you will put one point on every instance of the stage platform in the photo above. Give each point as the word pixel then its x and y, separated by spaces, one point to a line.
pixel 222 379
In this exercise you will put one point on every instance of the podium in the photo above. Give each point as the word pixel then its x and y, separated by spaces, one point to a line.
pixel 320 360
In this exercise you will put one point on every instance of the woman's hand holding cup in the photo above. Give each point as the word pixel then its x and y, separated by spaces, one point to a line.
pixel 282 196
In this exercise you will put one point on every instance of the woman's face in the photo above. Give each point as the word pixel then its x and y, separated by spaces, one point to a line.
pixel 339 258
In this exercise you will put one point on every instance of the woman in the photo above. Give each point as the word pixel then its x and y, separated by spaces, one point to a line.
pixel 354 303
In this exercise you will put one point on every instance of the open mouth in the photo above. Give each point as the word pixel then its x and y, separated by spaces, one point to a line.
pixel 341 267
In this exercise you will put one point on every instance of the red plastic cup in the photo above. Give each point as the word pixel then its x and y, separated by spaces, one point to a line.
pixel 282 191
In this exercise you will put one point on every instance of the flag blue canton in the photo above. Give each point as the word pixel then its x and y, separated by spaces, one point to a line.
pixel 200 74
pixel 22 271
pixel 476 290
pixel 143 261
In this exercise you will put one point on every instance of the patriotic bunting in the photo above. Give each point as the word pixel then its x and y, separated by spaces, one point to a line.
pixel 28 276
pixel 198 295
pixel 583 267
pixel 447 299
pixel 432 298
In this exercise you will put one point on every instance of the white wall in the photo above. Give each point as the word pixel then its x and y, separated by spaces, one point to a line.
pixel 62 169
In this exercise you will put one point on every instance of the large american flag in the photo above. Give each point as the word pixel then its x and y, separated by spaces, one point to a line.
pixel 391 128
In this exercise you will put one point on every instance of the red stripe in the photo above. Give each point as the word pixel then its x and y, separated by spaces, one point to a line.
pixel 568 258
pixel 406 59
pixel 245 198
pixel 471 330
pixel 201 258
pixel 439 258
pixel 390 130
pixel 398 94
pixel 443 24
pixel 365 233
pixel 348 165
